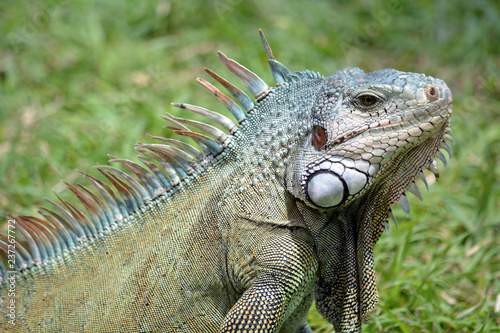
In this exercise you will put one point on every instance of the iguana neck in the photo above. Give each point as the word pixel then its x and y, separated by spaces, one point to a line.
pixel 260 150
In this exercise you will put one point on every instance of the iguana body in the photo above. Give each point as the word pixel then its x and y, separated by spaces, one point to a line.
pixel 281 210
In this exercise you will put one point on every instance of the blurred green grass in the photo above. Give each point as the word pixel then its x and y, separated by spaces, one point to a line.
pixel 80 79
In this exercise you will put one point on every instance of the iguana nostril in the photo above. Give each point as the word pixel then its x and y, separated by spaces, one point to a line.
pixel 432 92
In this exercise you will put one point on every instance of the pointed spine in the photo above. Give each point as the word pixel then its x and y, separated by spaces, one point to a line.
pixel 82 219
pixel 104 209
pixel 442 158
pixel 169 169
pixel 416 191
pixel 211 130
pixel 75 225
pixel 20 262
pixel 242 98
pixel 433 168
pixel 62 224
pixel 187 147
pixel 157 172
pixel 404 204
pixel 36 252
pixel 116 205
pixel 180 127
pixel 393 218
pixel 445 146
pixel 148 179
pixel 27 259
pixel 213 146
pixel 58 243
pixel 128 197
pixel 279 71
pixel 43 243
pixel 449 138
pixel 254 84
pixel 120 204
pixel 95 213
pixel 423 178
pixel 214 116
pixel 235 110
pixel 176 152
pixel 142 196
pixel 181 167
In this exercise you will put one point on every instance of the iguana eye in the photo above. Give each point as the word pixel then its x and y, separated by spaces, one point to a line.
pixel 368 100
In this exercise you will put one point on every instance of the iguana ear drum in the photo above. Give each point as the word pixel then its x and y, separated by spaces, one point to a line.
pixel 326 189
pixel 319 137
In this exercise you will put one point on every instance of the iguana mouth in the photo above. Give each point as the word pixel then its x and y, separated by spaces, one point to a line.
pixel 365 128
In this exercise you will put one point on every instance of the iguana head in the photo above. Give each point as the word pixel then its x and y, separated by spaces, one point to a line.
pixel 362 122
pixel 372 135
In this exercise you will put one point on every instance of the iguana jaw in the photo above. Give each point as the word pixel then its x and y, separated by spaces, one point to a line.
pixel 371 216
pixel 356 133
pixel 346 167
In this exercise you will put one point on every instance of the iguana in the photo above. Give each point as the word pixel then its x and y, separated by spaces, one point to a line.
pixel 272 211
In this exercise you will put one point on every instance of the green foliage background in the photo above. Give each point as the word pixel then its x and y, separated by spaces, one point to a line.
pixel 80 79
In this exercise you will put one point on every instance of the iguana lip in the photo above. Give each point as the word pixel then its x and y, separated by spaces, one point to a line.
pixel 363 129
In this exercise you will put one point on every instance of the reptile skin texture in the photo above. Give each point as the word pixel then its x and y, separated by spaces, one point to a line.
pixel 245 227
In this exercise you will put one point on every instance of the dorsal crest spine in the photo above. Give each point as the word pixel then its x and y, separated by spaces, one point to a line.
pixel 63 228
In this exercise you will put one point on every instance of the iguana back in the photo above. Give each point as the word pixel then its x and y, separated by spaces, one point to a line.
pixel 235 235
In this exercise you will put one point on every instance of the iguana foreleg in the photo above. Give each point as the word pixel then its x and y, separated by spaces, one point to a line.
pixel 280 295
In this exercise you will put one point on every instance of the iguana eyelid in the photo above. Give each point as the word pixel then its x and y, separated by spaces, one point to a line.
pixel 380 91
pixel 368 93
pixel 357 100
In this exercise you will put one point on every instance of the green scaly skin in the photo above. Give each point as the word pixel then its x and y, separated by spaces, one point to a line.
pixel 257 231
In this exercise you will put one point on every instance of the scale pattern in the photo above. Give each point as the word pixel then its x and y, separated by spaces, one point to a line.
pixel 243 229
